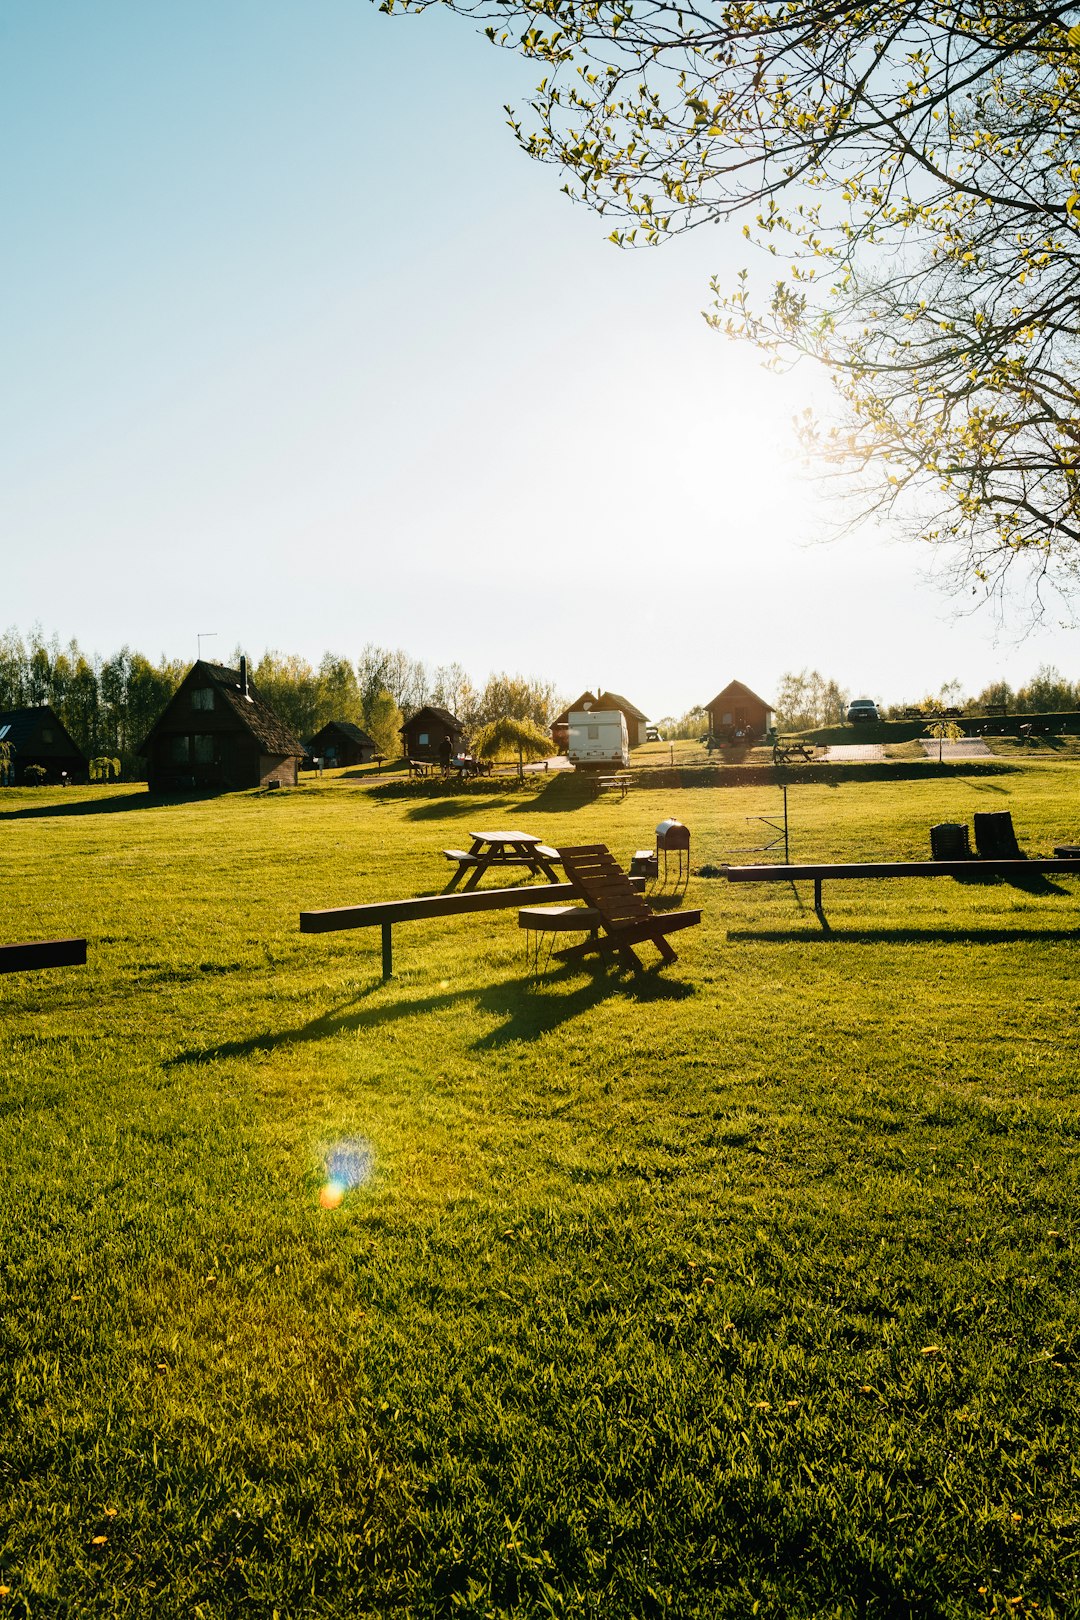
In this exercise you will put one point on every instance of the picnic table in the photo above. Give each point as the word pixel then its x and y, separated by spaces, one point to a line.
pixel 501 848
pixel 786 748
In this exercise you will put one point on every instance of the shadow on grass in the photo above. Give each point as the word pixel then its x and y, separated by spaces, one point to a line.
pixel 119 804
pixel 447 809
pixel 905 936
pixel 527 1015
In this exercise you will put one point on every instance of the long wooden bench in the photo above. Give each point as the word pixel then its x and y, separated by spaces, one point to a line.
pixel 385 913
pixel 859 870
pixel 42 953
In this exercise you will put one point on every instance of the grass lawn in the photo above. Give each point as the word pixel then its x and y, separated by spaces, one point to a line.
pixel 746 1290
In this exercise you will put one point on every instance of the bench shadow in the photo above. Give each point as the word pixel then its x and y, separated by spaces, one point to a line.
pixel 526 1015
pixel 906 936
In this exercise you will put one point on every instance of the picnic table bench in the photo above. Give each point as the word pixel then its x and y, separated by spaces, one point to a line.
pixel 859 870
pixel 785 748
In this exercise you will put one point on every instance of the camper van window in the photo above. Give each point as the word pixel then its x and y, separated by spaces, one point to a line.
pixel 594 733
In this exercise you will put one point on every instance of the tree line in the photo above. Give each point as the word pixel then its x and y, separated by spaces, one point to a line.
pixel 110 704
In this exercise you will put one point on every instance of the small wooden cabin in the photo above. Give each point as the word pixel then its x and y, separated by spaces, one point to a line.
pixel 635 720
pixel 38 736
pixel 217 733
pixel 737 711
pixel 341 743
pixel 425 734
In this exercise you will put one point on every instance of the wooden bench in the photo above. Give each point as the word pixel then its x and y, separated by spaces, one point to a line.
pixel 42 953
pixel 419 767
pixel 860 870
pixel 620 781
pixel 384 914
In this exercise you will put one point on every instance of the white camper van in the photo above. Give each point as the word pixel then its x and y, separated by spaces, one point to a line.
pixel 598 740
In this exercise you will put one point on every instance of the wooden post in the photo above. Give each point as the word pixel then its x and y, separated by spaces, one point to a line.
pixel 387 950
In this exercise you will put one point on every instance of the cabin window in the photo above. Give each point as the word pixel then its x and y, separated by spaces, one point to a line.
pixel 4 731
pixel 727 718
pixel 422 740
pixel 202 697
pixel 180 750
pixel 204 750
pixel 46 734
pixel 593 733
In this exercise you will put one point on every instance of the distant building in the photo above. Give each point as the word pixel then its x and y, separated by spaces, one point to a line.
pixel 38 736
pixel 426 733
pixel 737 710
pixel 217 733
pixel 341 743
pixel 635 720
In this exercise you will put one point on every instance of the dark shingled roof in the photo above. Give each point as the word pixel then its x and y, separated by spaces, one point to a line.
pixel 254 714
pixel 606 700
pixel 347 729
pixel 443 716
pixel 612 700
pixel 24 729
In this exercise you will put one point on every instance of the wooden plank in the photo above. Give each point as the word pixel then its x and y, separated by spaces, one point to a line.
pixel 431 905
pixel 887 869
pixel 336 918
pixel 42 953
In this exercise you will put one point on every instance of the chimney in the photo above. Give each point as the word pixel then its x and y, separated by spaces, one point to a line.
pixel 243 677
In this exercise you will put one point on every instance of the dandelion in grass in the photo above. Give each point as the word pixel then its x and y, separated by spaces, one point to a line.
pixel 348 1165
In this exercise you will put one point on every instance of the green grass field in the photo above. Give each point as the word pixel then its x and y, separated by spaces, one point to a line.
pixel 748 1289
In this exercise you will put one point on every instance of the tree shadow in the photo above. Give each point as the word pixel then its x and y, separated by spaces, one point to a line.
pixel 527 1008
pixel 453 809
pixel 118 804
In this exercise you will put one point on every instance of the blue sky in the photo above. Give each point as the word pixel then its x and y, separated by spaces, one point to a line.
pixel 297 347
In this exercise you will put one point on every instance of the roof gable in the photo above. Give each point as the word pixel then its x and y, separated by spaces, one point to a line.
pixel 251 712
pixel 734 688
pixel 21 729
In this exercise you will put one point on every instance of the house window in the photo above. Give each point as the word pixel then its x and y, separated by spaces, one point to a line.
pixel 46 734
pixel 202 697
pixel 422 740
pixel 204 750
pixel 180 750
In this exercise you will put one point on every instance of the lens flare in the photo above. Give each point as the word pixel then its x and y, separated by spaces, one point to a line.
pixel 348 1165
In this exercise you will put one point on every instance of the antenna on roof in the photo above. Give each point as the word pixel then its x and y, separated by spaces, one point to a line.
pixel 204 635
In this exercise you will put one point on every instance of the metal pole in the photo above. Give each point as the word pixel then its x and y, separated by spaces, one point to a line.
pixel 787 848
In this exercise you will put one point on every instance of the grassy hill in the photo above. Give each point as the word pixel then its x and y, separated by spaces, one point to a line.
pixel 749 1289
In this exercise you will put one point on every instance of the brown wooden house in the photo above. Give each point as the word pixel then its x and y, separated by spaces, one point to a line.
pixel 341 743
pixel 38 736
pixel 635 720
pixel 736 711
pixel 217 733
pixel 427 733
